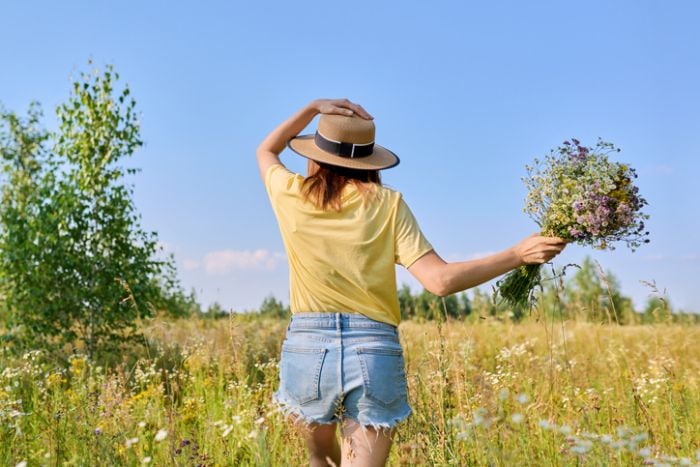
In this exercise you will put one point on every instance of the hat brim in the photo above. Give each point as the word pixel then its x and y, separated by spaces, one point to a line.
pixel 381 158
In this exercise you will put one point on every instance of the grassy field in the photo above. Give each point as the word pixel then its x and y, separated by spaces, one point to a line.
pixel 491 393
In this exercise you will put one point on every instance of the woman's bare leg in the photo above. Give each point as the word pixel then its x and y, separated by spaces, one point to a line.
pixel 322 444
pixel 365 447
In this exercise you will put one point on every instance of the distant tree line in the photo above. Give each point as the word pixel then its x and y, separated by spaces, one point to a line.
pixel 582 292
pixel 592 294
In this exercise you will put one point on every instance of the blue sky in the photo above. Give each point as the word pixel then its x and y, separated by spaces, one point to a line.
pixel 465 93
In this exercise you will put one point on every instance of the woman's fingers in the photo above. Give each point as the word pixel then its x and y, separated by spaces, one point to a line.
pixel 342 111
pixel 362 112
pixel 357 109
pixel 347 107
pixel 555 241
pixel 544 250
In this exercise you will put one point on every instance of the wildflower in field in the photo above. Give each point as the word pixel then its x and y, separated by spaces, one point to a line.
pixel 131 441
pixel 146 460
pixel 516 350
pixel 227 430
pixel 21 464
pixel 142 424
pixel 183 444
pixel 77 365
pixel 619 444
pixel 580 449
pixel 479 418
pixel 650 388
pixel 55 379
pixel 160 435
pixel 580 195
pixel 517 418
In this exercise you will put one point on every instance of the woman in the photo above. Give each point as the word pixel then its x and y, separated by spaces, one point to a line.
pixel 341 361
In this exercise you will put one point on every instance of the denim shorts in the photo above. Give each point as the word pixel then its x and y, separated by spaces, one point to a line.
pixel 337 366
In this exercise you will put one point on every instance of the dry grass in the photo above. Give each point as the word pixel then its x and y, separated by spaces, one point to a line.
pixel 491 393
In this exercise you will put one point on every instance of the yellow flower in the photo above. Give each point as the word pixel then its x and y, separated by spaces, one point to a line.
pixel 190 409
pixel 77 366
pixel 208 382
pixel 153 389
pixel 54 380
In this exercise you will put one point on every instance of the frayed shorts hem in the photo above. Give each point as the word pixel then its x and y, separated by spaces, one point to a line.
pixel 294 414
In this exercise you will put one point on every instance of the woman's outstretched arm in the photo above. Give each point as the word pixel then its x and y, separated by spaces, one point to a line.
pixel 268 151
pixel 442 278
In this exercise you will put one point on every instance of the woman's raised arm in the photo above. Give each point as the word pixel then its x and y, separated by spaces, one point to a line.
pixel 268 151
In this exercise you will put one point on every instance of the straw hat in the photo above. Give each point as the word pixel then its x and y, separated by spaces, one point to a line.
pixel 345 141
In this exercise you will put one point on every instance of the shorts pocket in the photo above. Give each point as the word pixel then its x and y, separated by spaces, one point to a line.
pixel 383 373
pixel 300 372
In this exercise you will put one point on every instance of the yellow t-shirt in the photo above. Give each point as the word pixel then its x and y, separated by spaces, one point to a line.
pixel 344 261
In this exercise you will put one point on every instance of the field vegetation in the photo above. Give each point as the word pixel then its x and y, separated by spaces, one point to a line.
pixel 484 391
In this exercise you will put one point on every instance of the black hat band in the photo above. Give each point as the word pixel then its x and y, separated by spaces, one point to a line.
pixel 342 149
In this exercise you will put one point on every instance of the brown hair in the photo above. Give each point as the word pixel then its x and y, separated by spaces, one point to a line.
pixel 324 185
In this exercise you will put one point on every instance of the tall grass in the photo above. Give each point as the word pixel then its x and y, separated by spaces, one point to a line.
pixel 490 393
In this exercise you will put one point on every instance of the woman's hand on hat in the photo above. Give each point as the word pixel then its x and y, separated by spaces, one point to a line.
pixel 340 107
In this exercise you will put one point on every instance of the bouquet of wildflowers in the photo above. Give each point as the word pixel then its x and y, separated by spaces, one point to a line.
pixel 580 195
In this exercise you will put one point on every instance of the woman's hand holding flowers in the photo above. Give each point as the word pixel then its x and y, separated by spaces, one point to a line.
pixel 537 249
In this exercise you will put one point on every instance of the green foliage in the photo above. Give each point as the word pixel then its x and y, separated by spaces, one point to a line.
pixel 426 306
pixel 273 308
pixel 598 294
pixel 592 294
pixel 215 311
pixel 75 266
pixel 173 300
pixel 657 310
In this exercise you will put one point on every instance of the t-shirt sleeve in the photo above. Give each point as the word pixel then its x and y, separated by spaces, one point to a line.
pixel 277 180
pixel 411 244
